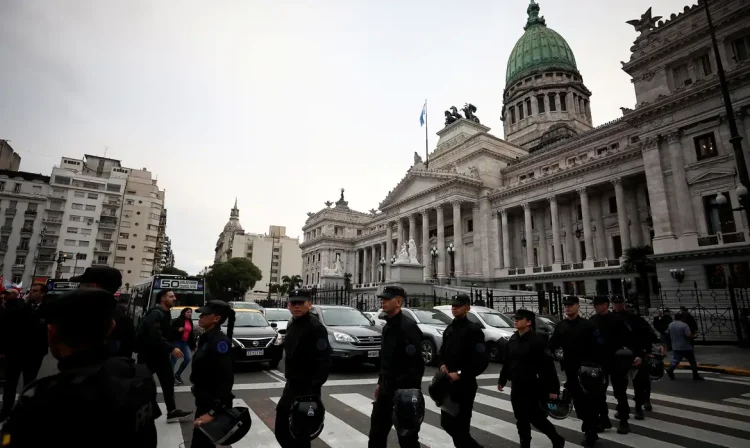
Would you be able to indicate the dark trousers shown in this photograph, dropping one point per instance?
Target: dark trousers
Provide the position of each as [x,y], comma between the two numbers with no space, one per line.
[162,368]
[281,428]
[200,440]
[677,356]
[459,426]
[619,382]
[642,386]
[585,404]
[381,422]
[528,411]
[15,366]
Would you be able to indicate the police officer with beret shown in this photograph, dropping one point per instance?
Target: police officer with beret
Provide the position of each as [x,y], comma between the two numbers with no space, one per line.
[96,400]
[401,367]
[581,343]
[306,366]
[212,375]
[529,365]
[464,356]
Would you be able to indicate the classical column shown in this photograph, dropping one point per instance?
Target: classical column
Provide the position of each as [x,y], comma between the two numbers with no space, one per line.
[400,234]
[557,249]
[601,235]
[476,240]
[388,248]
[506,238]
[681,189]
[656,190]
[426,245]
[458,239]
[374,265]
[622,216]
[385,268]
[631,202]
[529,235]
[540,225]
[442,256]
[357,259]
[496,242]
[412,228]
[588,237]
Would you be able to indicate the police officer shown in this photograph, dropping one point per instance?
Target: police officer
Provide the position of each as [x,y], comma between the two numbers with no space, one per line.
[464,358]
[640,342]
[212,375]
[96,400]
[306,365]
[401,367]
[616,335]
[529,365]
[581,343]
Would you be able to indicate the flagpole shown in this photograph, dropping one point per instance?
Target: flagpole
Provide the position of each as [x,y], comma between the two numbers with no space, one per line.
[426,140]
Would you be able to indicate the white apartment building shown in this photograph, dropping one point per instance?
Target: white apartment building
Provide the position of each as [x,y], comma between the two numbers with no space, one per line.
[22,199]
[139,228]
[164,254]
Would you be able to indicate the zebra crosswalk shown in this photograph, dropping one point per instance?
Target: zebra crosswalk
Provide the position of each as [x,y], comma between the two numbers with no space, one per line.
[674,422]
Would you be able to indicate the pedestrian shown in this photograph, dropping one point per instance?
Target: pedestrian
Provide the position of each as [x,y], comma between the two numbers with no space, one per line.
[112,397]
[154,343]
[661,322]
[401,367]
[212,375]
[616,336]
[464,356]
[184,339]
[307,363]
[23,342]
[682,346]
[529,365]
[122,339]
[691,323]
[581,343]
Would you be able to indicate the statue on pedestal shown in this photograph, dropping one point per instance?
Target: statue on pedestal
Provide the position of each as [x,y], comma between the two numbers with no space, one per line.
[336,271]
[407,254]
[413,252]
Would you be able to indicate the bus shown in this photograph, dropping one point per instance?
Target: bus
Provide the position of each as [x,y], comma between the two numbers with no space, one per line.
[59,286]
[190,291]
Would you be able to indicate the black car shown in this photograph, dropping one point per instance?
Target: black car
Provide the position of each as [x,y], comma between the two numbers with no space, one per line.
[255,339]
[352,335]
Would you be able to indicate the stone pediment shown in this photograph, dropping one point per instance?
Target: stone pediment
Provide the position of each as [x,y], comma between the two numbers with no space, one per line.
[710,175]
[417,182]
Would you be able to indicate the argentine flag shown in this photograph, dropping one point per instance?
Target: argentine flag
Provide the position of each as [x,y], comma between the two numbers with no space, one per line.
[423,114]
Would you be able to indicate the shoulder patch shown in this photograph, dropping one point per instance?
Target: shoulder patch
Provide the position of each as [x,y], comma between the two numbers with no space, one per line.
[480,348]
[411,350]
[222,347]
[322,344]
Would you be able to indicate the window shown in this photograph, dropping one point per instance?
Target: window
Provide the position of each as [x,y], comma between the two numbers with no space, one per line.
[28,224]
[2,186]
[32,207]
[612,204]
[129,202]
[16,279]
[107,236]
[715,276]
[75,218]
[705,146]
[17,188]
[536,257]
[122,247]
[64,180]
[617,245]
[579,212]
[37,189]
[681,76]
[540,103]
[741,48]
[705,63]
[85,231]
[80,256]
[119,259]
[69,243]
[147,261]
[520,111]
[90,208]
[582,245]
[552,105]
[563,105]
[113,187]
[77,206]
[79,194]
[719,218]
[512,115]
[20,260]
[24,243]
[92,196]
[72,230]
[83,243]
[602,287]
[155,216]
[528,107]
[13,205]
[740,272]
[145,274]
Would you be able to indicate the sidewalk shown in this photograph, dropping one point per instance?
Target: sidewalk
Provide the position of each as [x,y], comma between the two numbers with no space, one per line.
[727,359]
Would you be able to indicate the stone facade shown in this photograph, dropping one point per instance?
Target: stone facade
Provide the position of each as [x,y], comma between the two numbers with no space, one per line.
[559,203]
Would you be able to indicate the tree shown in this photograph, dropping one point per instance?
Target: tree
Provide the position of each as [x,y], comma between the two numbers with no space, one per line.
[239,274]
[637,261]
[173,271]
[290,283]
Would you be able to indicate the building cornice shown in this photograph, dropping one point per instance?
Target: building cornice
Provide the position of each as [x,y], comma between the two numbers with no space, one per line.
[718,251]
[451,178]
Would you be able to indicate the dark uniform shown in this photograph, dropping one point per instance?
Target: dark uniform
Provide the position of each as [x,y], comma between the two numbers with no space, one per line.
[154,346]
[529,365]
[212,375]
[581,343]
[640,342]
[401,367]
[306,366]
[463,352]
[96,400]
[616,335]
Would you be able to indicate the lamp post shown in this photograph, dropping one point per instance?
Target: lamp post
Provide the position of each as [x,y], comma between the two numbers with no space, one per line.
[42,234]
[382,269]
[62,257]
[434,255]
[393,259]
[451,249]
[677,274]
[734,136]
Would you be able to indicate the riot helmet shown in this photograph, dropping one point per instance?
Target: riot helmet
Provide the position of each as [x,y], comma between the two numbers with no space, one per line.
[560,407]
[228,426]
[439,388]
[306,418]
[591,379]
[624,359]
[408,411]
[655,365]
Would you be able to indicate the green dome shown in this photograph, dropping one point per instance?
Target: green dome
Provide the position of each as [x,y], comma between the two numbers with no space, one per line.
[539,48]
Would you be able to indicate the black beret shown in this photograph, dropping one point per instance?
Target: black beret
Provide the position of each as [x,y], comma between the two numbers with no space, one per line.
[79,305]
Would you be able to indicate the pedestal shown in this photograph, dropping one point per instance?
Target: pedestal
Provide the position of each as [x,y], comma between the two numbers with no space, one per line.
[410,277]
[332,281]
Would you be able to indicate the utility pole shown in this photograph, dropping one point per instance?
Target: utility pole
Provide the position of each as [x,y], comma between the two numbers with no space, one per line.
[61,258]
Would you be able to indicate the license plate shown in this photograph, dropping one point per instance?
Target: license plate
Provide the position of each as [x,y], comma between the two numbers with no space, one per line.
[255,353]
[373,354]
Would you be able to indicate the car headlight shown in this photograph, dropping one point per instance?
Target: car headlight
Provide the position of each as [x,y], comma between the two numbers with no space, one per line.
[342,337]
[279,340]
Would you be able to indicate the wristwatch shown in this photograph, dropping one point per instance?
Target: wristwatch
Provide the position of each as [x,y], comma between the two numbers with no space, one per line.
[459,373]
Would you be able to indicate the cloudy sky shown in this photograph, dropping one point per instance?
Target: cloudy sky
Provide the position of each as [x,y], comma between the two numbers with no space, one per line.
[276,102]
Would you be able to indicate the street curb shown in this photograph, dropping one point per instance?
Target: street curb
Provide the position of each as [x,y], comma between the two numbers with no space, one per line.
[715,369]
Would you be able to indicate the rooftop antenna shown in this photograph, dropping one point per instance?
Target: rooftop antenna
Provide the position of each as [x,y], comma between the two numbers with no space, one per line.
[105,151]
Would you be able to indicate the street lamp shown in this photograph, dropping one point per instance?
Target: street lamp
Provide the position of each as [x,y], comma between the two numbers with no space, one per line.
[434,255]
[579,231]
[393,259]
[734,136]
[677,274]
[451,249]
[382,269]
[523,238]
[741,197]
[62,257]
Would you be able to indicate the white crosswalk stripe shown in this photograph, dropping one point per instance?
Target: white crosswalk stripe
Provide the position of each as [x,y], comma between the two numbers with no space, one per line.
[673,423]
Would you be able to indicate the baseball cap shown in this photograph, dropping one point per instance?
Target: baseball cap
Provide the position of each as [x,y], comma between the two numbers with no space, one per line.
[391,292]
[299,295]
[460,300]
[104,277]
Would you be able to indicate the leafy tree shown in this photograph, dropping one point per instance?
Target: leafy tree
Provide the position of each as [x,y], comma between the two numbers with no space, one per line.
[239,274]
[173,271]
[637,261]
[290,283]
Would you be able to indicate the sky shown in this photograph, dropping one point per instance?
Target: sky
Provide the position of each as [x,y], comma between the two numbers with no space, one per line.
[279,103]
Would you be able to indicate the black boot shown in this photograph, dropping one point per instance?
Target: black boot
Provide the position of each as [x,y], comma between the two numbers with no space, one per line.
[590,439]
[624,427]
[647,406]
[639,413]
[558,442]
[525,444]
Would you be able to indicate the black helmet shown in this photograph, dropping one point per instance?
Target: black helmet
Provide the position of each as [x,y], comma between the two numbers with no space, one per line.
[408,411]
[559,408]
[439,388]
[624,359]
[306,417]
[591,378]
[655,365]
[228,426]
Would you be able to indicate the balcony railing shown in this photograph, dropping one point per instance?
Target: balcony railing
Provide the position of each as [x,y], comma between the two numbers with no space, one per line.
[107,225]
[100,263]
[3,247]
[50,220]
[31,212]
[22,248]
[19,267]
[6,229]
[27,230]
[11,211]
[721,239]
[104,250]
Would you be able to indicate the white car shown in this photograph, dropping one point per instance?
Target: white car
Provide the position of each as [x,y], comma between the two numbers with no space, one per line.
[432,323]
[279,316]
[497,328]
[374,316]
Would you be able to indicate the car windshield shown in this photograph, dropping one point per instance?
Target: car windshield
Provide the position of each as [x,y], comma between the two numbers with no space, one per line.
[341,317]
[496,320]
[245,306]
[431,317]
[546,320]
[250,320]
[277,315]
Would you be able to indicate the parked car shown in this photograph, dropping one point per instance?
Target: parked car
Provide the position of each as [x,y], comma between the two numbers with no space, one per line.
[280,317]
[255,339]
[497,328]
[240,305]
[352,335]
[544,325]
[375,317]
[432,323]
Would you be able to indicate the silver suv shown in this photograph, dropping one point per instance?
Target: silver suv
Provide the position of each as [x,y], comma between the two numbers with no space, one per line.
[497,328]
[432,323]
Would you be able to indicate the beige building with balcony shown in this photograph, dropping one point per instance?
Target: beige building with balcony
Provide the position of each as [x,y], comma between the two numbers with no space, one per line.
[558,201]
